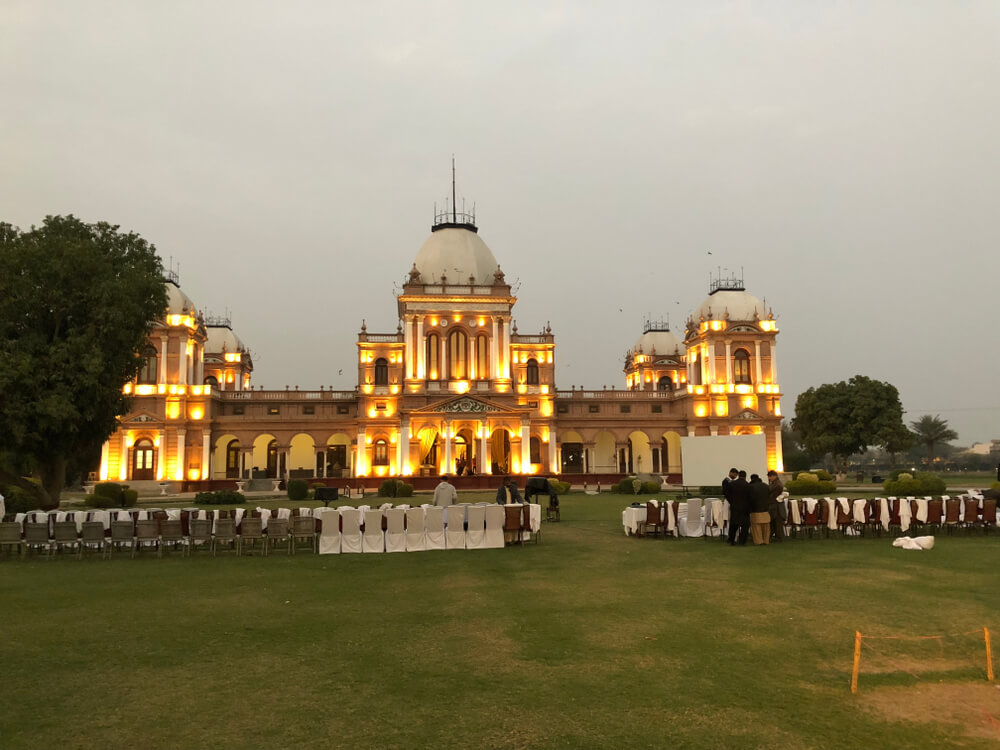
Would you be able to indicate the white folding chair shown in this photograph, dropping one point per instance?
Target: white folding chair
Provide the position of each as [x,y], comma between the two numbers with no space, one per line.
[395,532]
[329,534]
[434,528]
[415,537]
[454,533]
[494,526]
[476,521]
[350,534]
[374,537]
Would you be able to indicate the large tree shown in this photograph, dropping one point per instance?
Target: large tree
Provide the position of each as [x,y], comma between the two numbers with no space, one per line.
[77,302]
[847,417]
[931,431]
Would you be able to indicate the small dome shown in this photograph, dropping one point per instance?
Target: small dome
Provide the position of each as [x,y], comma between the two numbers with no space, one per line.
[663,342]
[457,253]
[739,304]
[177,301]
[222,336]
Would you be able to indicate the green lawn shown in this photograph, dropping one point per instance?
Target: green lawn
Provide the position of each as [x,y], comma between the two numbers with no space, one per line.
[586,640]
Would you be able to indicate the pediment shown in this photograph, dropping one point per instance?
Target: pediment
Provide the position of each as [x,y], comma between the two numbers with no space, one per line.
[743,329]
[747,414]
[141,419]
[667,361]
[465,405]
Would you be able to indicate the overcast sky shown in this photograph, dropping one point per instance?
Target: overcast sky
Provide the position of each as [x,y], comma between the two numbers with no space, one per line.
[845,156]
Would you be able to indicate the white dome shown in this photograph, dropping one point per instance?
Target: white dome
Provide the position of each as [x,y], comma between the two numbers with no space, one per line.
[221,336]
[739,305]
[458,254]
[663,342]
[177,301]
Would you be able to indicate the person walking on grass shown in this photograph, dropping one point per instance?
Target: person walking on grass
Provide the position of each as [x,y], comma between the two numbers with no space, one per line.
[776,508]
[760,518]
[445,493]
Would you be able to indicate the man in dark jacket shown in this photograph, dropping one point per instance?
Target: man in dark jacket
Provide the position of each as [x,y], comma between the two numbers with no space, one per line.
[760,519]
[739,509]
[775,508]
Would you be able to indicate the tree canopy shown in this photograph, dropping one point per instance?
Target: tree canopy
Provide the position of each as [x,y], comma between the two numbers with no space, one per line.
[847,417]
[77,302]
[931,431]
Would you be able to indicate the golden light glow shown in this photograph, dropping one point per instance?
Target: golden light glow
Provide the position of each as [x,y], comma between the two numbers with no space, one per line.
[156,441]
[744,388]
[721,408]
[129,439]
[545,434]
[462,386]
[522,388]
[550,358]
[546,408]
[372,413]
[545,388]
[233,356]
[367,388]
[194,474]
[407,470]
[394,389]
[700,410]
[481,321]
[434,321]
[717,325]
[173,409]
[457,318]
[368,440]
[179,474]
[229,377]
[380,471]
[127,388]
[767,388]
[196,412]
[180,320]
[777,408]
[749,402]
[145,390]
[768,325]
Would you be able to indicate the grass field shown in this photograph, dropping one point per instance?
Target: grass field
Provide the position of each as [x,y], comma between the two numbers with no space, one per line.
[586,640]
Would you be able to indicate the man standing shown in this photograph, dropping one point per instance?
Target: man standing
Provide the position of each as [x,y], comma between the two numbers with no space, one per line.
[777,510]
[760,518]
[727,493]
[739,509]
[445,493]
[507,492]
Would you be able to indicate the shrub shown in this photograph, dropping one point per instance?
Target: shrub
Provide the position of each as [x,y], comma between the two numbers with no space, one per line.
[923,483]
[298,489]
[222,497]
[560,488]
[313,487]
[99,501]
[995,486]
[809,484]
[403,489]
[20,501]
[112,490]
[129,497]
[650,488]
[823,475]
[394,488]
[714,490]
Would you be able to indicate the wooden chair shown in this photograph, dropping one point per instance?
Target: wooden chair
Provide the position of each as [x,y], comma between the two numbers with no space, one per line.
[811,521]
[971,517]
[251,532]
[935,513]
[199,535]
[793,528]
[10,536]
[895,523]
[653,520]
[64,534]
[277,531]
[147,536]
[952,512]
[36,537]
[122,536]
[225,533]
[172,533]
[92,537]
[303,530]
[845,519]
[989,514]
[512,524]
[552,511]
[526,524]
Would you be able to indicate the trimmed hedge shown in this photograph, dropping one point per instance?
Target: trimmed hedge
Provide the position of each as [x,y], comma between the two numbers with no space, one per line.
[808,483]
[922,483]
[634,486]
[298,489]
[395,488]
[111,490]
[560,488]
[222,497]
[20,501]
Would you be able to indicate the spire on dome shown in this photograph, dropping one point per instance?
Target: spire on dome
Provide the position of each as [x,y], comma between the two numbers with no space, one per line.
[452,218]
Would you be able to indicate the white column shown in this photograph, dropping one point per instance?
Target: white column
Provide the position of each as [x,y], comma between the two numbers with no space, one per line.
[123,458]
[285,453]
[729,361]
[756,356]
[525,446]
[495,351]
[105,454]
[484,453]
[160,455]
[443,373]
[710,347]
[421,349]
[321,460]
[407,347]
[179,472]
[199,365]
[774,361]
[553,454]
[182,361]
[360,465]
[504,348]
[162,377]
[447,468]
[206,447]
[403,443]
[779,459]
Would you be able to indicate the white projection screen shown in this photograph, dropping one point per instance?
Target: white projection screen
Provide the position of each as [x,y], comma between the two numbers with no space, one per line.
[706,460]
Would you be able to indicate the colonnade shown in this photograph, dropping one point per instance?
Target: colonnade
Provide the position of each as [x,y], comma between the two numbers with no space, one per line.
[415,336]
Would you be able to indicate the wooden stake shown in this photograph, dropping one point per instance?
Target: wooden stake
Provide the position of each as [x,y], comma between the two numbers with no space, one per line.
[989,655]
[857,661]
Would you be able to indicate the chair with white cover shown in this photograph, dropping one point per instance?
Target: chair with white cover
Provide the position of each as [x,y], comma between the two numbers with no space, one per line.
[476,533]
[350,530]
[494,526]
[329,533]
[374,536]
[434,528]
[416,540]
[395,530]
[454,533]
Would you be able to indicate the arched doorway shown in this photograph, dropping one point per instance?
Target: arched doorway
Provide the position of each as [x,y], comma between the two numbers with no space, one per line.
[233,459]
[465,452]
[500,451]
[143,460]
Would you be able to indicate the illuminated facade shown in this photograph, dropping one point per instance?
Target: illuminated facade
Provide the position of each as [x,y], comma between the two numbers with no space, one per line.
[454,389]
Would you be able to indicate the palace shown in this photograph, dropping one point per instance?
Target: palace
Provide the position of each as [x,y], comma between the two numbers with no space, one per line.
[455,389]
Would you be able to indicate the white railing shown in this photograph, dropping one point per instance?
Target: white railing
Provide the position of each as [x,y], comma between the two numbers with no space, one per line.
[618,395]
[287,395]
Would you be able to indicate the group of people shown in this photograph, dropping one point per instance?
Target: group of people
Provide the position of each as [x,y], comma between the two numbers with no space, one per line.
[445,493]
[754,509]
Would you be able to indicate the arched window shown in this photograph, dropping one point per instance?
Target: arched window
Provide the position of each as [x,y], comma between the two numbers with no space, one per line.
[147,373]
[458,354]
[381,371]
[741,366]
[531,373]
[482,357]
[272,459]
[212,381]
[536,450]
[380,453]
[433,354]
[233,459]
[665,384]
